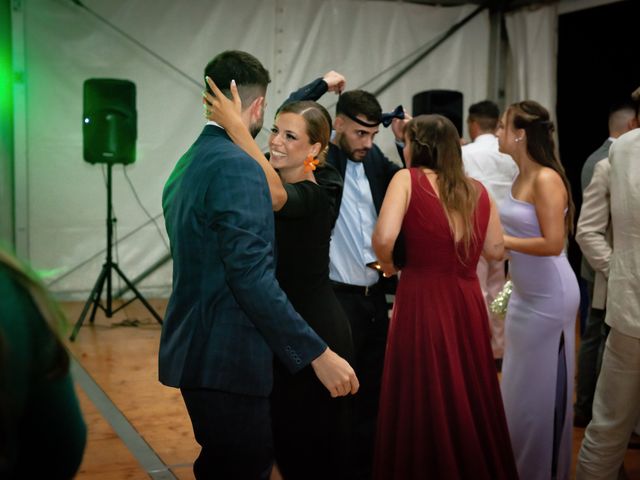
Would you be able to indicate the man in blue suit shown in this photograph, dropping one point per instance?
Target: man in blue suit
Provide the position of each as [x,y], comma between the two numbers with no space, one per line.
[227,315]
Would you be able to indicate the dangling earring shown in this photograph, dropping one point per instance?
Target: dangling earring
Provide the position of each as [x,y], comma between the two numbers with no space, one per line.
[310,164]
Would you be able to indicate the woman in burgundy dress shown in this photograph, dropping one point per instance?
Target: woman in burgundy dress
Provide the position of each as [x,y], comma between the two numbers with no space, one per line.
[441,413]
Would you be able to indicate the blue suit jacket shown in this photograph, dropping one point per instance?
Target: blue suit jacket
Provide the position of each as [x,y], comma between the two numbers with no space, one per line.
[227,314]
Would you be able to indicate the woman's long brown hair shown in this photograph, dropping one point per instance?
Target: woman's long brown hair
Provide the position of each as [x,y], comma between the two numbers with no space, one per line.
[435,144]
[534,119]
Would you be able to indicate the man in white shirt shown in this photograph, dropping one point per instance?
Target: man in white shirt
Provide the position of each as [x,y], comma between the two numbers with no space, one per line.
[496,171]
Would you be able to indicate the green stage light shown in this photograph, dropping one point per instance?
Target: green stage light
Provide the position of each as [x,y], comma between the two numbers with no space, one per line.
[6,81]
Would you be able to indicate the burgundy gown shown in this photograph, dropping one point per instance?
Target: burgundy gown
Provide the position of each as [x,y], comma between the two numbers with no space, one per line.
[441,413]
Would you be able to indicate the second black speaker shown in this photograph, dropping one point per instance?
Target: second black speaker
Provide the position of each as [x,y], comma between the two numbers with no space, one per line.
[109,129]
[447,103]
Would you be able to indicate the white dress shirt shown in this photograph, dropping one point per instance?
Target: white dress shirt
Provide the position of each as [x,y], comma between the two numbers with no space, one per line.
[484,162]
[350,249]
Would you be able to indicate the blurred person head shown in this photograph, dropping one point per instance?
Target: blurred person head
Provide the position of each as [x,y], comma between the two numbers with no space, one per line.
[483,118]
[622,118]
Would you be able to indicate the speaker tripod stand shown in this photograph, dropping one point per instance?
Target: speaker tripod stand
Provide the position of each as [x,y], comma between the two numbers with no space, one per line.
[105,276]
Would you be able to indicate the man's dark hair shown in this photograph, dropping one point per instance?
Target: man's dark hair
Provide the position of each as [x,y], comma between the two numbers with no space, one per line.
[619,116]
[635,99]
[486,114]
[250,76]
[359,102]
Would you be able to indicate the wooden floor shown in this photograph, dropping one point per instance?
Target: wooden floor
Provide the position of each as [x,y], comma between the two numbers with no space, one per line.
[120,356]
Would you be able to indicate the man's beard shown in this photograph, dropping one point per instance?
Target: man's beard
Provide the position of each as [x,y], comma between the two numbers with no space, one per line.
[255,128]
[351,153]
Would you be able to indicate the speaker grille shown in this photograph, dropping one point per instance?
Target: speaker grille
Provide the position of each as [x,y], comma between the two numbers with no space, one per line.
[447,103]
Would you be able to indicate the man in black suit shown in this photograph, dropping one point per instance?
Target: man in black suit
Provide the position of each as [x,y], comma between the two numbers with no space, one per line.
[227,315]
[358,284]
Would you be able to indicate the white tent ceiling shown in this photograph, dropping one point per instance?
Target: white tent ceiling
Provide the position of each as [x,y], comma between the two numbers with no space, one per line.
[60,200]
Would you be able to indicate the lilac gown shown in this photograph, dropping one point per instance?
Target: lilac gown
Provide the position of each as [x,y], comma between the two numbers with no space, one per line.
[538,367]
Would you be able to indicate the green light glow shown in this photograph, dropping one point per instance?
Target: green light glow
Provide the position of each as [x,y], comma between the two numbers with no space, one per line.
[6,74]
[5,80]
[50,273]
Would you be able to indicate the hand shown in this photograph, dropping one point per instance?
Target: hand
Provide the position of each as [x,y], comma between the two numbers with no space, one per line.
[219,108]
[335,81]
[508,243]
[398,124]
[388,269]
[335,373]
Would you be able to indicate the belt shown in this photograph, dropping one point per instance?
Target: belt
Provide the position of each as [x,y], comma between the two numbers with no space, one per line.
[355,289]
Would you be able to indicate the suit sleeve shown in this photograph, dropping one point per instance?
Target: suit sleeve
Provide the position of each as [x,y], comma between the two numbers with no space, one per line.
[391,167]
[401,154]
[330,180]
[594,220]
[311,91]
[243,220]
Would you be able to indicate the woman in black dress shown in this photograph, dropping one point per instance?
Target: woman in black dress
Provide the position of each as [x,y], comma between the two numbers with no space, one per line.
[311,430]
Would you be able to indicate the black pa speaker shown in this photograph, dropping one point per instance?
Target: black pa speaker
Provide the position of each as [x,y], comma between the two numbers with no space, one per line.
[109,130]
[447,103]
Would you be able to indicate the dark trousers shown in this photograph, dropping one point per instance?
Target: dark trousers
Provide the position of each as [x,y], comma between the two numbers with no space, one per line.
[234,432]
[589,359]
[311,430]
[369,319]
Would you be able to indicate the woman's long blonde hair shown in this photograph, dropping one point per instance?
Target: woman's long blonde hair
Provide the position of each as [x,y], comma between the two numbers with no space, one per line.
[435,144]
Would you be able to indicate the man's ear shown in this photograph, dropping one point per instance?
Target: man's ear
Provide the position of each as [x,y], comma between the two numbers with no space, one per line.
[256,106]
[338,124]
[472,128]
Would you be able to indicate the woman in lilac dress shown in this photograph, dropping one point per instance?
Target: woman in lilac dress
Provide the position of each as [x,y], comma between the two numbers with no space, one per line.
[538,368]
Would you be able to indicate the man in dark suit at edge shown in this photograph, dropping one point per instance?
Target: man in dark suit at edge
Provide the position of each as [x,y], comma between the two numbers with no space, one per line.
[227,315]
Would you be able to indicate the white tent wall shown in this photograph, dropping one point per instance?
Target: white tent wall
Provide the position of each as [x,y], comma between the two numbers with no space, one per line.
[533,54]
[297,40]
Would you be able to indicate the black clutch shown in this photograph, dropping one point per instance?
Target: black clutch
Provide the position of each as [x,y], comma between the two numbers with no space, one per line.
[399,252]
